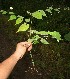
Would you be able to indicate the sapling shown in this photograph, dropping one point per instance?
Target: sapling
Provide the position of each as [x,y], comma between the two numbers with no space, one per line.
[34,35]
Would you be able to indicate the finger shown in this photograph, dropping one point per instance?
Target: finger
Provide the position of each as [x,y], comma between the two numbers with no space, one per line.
[30,48]
[23,43]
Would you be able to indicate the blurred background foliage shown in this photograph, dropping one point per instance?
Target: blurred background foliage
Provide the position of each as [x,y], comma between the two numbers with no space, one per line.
[53,59]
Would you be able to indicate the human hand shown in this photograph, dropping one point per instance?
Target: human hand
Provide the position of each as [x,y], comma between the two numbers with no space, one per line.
[22,47]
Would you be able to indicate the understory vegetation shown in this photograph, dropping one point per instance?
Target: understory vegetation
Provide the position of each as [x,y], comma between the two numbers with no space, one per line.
[47,26]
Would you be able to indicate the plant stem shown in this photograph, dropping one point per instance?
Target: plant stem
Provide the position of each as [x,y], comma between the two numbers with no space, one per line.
[31,53]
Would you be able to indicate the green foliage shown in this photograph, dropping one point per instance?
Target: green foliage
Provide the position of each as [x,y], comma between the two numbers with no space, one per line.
[27,20]
[23,27]
[44,41]
[55,35]
[34,39]
[38,14]
[30,40]
[4,12]
[20,16]
[35,42]
[12,17]
[67,36]
[1,10]
[11,13]
[49,10]
[19,20]
[57,10]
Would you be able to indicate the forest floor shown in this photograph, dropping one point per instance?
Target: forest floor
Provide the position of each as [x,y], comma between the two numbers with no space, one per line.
[50,59]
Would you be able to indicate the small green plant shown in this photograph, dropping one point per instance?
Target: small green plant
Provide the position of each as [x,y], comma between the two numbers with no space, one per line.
[26,24]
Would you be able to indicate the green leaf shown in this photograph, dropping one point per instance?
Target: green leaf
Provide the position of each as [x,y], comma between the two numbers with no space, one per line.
[11,12]
[28,13]
[37,15]
[23,27]
[67,36]
[36,37]
[42,33]
[19,20]
[20,16]
[27,20]
[30,40]
[12,17]
[42,12]
[35,42]
[48,10]
[4,12]
[1,10]
[34,31]
[44,41]
[57,10]
[51,8]
[55,35]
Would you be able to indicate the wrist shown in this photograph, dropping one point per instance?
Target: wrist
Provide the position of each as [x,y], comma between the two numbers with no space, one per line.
[17,56]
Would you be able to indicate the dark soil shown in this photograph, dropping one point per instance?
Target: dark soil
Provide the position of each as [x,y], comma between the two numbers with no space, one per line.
[52,61]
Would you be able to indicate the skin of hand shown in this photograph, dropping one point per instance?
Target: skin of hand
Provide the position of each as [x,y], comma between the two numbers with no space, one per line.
[22,47]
